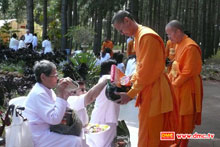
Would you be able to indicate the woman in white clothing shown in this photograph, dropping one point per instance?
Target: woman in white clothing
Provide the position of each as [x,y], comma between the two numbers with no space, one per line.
[104,112]
[13,42]
[22,43]
[105,55]
[46,45]
[44,108]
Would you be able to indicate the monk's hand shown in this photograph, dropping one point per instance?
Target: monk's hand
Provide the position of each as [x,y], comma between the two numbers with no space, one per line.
[124,98]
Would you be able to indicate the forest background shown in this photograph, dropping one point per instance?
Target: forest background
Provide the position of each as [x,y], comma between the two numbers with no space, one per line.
[60,19]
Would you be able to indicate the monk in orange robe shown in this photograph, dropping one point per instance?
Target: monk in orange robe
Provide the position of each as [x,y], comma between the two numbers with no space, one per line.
[186,79]
[169,54]
[130,48]
[108,44]
[155,97]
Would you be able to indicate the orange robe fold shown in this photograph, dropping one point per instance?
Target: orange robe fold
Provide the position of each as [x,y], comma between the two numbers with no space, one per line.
[170,53]
[156,101]
[187,83]
[130,48]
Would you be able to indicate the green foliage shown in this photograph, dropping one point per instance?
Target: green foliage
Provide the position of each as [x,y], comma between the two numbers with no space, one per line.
[54,33]
[81,35]
[92,71]
[4,6]
[214,59]
[10,67]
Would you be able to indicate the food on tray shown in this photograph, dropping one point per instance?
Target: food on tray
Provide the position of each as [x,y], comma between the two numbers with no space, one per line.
[96,128]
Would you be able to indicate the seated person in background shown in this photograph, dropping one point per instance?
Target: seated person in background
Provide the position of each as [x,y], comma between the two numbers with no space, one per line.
[22,43]
[108,44]
[105,55]
[82,113]
[130,65]
[14,42]
[44,108]
[120,63]
[98,59]
[130,47]
[104,112]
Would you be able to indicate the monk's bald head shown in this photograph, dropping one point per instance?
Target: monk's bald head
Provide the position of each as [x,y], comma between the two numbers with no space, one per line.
[175,24]
[120,15]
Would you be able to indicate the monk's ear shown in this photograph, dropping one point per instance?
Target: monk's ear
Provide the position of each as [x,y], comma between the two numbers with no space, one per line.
[126,20]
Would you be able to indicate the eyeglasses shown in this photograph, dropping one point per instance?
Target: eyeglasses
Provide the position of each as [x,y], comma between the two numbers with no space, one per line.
[56,75]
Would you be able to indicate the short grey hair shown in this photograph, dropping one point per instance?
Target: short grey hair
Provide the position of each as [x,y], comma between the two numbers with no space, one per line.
[175,24]
[120,15]
[43,66]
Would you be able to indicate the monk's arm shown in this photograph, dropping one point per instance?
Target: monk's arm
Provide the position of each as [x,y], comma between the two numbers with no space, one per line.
[191,65]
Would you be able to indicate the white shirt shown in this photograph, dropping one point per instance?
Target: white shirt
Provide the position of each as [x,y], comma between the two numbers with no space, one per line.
[34,43]
[105,111]
[42,109]
[106,57]
[121,66]
[28,38]
[77,103]
[13,44]
[21,44]
[131,67]
[46,44]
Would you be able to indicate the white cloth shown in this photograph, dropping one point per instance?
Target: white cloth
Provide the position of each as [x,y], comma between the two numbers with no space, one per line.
[97,62]
[121,66]
[105,112]
[21,44]
[28,38]
[128,40]
[34,43]
[106,57]
[13,44]
[77,103]
[130,67]
[46,44]
[42,109]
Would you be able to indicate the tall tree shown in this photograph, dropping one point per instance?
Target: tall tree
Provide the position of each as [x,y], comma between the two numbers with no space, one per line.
[63,24]
[45,18]
[30,15]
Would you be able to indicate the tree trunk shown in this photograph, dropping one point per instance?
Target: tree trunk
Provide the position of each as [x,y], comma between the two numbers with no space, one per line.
[98,34]
[30,15]
[203,35]
[63,24]
[69,21]
[217,28]
[75,13]
[109,25]
[134,9]
[45,20]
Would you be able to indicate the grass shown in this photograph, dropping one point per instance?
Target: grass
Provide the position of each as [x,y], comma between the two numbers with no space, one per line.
[214,59]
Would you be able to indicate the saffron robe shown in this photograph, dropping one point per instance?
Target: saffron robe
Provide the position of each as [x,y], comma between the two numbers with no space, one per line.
[156,102]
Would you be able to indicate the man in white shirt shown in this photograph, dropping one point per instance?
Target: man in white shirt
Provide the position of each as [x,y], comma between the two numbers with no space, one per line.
[28,39]
[34,42]
[46,45]
[14,42]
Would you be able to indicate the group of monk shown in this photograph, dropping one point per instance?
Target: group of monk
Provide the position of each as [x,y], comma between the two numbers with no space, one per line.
[168,100]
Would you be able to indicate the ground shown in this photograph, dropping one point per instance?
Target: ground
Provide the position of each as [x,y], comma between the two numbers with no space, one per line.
[210,117]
